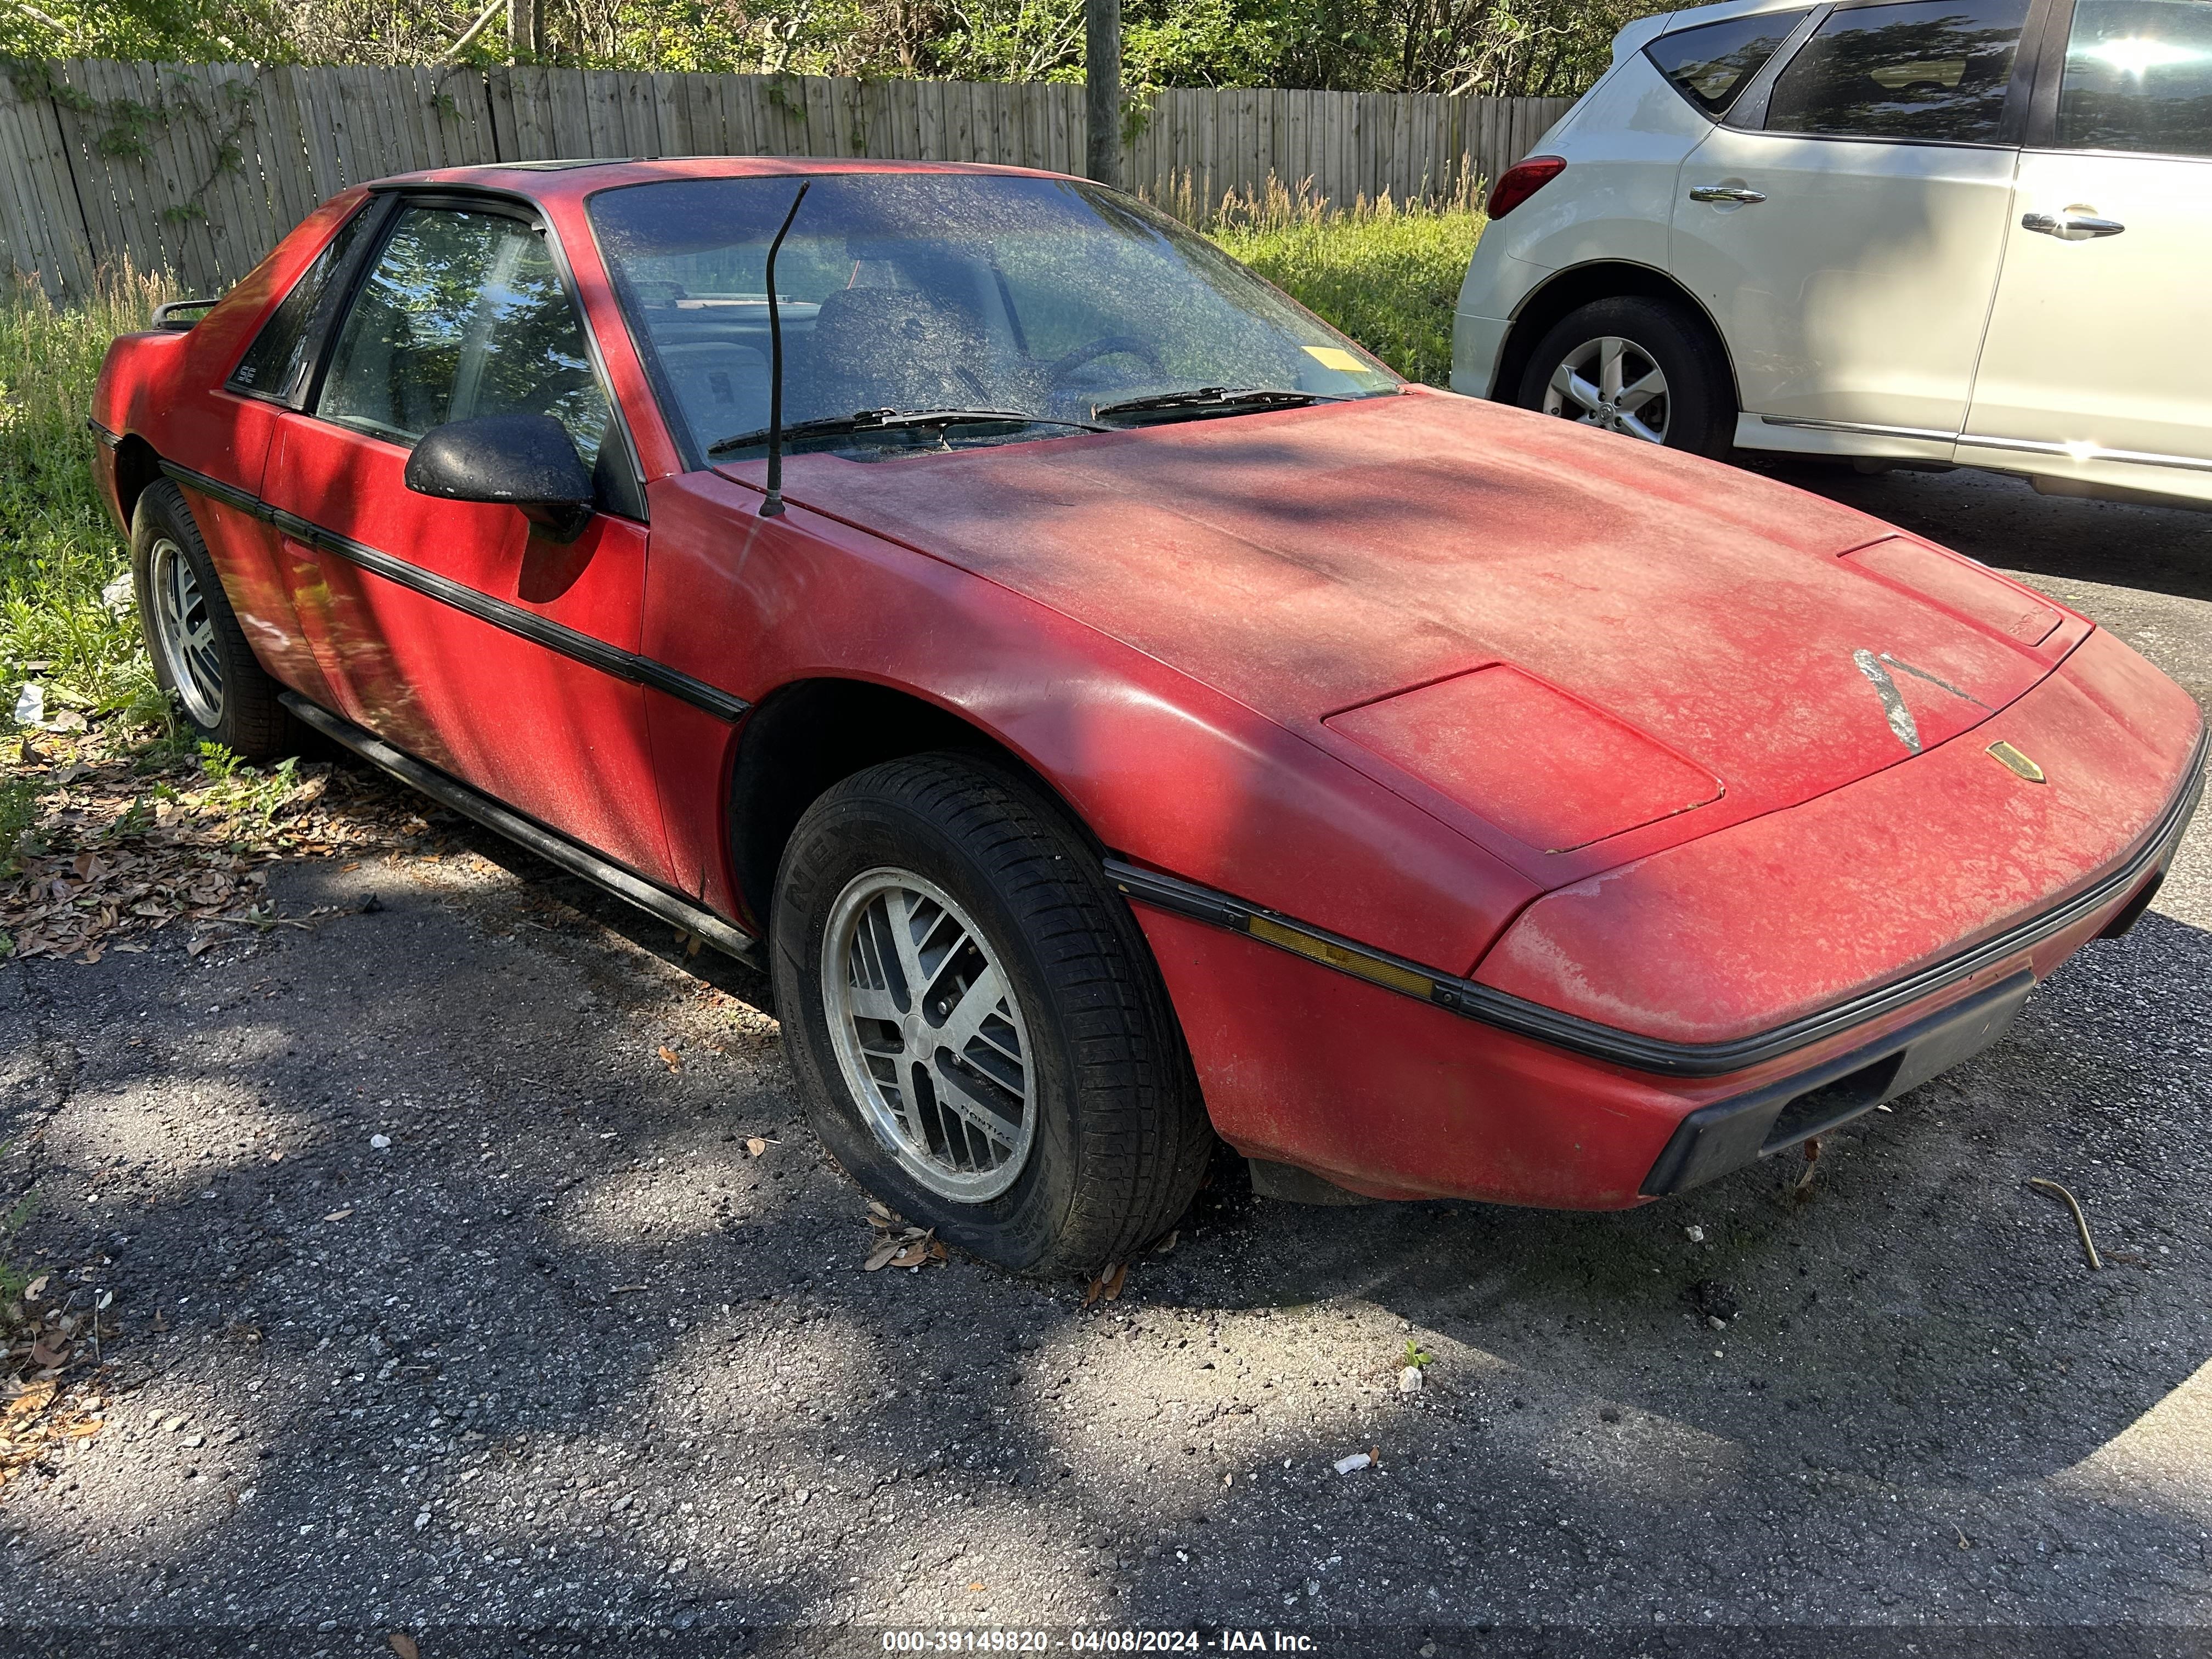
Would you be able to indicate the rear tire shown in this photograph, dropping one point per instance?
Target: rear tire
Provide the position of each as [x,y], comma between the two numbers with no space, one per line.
[1646,369]
[200,654]
[1033,1102]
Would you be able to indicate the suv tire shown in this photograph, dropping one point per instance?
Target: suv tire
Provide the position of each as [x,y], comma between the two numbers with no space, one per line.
[1616,345]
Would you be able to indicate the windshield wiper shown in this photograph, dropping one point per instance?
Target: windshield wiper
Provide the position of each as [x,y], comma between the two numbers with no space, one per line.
[1221,397]
[880,420]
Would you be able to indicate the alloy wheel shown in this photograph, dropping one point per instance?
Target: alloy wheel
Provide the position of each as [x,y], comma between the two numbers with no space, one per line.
[186,630]
[929,1035]
[1612,383]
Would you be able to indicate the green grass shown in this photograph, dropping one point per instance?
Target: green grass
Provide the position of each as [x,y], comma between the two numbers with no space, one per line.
[1384,273]
[57,546]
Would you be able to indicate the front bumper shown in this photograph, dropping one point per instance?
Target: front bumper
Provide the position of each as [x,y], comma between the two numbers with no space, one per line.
[1396,1081]
[1730,1133]
[1879,892]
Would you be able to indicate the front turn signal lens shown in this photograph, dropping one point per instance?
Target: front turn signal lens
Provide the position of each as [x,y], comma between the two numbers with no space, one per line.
[1357,963]
[1521,181]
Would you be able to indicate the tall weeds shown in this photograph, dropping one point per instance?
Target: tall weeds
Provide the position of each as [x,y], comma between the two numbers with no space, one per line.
[1278,205]
[57,547]
[1386,272]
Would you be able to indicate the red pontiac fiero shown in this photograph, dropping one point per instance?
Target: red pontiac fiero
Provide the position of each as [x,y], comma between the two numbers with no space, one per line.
[1117,710]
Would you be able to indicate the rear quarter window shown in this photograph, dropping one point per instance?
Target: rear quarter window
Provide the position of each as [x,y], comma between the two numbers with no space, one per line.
[1712,64]
[275,365]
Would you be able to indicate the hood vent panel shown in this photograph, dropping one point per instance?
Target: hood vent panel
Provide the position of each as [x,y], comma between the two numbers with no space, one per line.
[1548,768]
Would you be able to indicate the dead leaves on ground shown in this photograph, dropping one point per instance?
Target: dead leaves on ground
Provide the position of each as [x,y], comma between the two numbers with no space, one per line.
[122,846]
[42,1408]
[62,907]
[898,1245]
[914,1248]
[41,1420]
[1107,1285]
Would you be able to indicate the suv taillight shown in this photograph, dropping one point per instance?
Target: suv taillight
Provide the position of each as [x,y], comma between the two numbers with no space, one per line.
[1519,182]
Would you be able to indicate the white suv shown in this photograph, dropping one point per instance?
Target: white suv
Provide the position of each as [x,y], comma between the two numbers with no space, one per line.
[1966,232]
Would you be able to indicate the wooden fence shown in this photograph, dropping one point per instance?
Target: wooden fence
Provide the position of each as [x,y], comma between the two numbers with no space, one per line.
[200,168]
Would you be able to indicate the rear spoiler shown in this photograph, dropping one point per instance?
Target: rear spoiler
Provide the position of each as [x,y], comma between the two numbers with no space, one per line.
[171,315]
[1634,38]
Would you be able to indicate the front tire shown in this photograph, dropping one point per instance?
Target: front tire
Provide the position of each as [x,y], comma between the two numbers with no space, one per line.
[201,656]
[979,1034]
[1645,369]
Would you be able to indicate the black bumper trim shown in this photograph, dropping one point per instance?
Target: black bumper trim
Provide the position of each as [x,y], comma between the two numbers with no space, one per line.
[511,618]
[1730,1133]
[1630,1048]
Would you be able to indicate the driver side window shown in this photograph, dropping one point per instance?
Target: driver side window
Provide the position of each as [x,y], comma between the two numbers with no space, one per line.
[463,315]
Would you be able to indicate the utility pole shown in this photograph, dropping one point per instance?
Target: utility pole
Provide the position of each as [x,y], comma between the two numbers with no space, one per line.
[1101,74]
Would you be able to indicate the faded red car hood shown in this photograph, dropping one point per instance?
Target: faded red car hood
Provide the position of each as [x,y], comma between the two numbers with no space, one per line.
[1315,561]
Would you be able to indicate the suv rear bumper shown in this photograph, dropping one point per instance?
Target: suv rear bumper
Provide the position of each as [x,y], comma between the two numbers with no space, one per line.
[1477,344]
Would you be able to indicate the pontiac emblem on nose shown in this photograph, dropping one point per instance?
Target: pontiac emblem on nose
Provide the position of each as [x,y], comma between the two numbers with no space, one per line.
[2017,762]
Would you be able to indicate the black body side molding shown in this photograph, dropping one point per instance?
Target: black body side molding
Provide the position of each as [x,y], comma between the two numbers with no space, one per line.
[2132,876]
[513,618]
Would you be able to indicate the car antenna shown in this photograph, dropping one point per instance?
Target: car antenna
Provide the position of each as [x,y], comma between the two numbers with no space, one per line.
[773,506]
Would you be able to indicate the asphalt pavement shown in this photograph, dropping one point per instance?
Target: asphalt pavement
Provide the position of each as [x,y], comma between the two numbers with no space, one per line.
[477,1282]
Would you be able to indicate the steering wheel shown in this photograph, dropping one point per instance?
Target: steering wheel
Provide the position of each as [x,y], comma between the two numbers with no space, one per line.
[1106,345]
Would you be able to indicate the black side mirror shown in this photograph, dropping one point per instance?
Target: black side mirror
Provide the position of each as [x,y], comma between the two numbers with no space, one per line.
[528,461]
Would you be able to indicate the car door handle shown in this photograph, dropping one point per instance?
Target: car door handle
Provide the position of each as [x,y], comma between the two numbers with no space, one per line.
[1726,193]
[2071,226]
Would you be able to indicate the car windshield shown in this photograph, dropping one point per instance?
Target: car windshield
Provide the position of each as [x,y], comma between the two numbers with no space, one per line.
[1043,303]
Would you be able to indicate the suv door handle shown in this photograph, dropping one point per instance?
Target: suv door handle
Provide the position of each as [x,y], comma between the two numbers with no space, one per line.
[1726,193]
[2071,226]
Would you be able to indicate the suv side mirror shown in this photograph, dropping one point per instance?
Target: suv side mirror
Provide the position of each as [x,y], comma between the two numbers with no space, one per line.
[528,461]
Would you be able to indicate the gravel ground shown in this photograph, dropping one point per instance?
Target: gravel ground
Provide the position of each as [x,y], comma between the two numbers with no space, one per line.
[565,1353]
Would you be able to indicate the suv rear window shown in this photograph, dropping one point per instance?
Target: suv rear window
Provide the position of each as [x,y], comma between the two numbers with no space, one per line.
[1712,64]
[1934,70]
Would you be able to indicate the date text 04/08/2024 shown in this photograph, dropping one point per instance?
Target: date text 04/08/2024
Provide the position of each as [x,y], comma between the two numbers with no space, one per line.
[1095,1641]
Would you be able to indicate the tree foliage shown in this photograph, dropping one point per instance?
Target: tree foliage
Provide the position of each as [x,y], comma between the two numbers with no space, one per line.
[1535,48]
